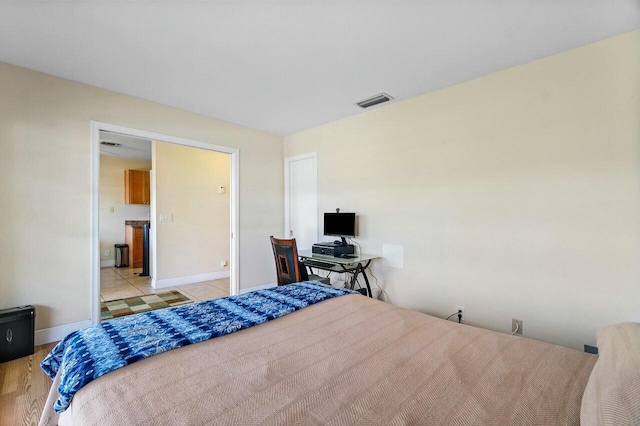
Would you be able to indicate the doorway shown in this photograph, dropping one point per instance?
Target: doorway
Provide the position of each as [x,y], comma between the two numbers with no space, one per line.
[230,187]
[301,199]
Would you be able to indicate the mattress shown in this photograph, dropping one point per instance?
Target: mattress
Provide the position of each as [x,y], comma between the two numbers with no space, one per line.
[349,360]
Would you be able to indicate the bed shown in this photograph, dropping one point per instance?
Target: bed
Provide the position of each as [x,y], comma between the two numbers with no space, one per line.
[351,360]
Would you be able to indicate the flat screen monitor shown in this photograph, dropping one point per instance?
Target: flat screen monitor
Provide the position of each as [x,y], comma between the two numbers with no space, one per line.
[340,224]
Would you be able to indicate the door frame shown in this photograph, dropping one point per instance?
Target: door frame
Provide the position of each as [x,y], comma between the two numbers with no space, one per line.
[287,192]
[234,249]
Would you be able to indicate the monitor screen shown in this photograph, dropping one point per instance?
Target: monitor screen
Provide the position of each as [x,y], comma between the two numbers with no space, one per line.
[340,224]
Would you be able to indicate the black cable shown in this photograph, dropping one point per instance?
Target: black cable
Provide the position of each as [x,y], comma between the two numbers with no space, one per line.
[358,244]
[459,313]
[386,295]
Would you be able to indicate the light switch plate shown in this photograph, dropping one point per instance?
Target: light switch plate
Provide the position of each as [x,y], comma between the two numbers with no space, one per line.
[166,217]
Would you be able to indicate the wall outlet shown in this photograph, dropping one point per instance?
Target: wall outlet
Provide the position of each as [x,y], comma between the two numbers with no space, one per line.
[111,209]
[107,252]
[516,324]
[223,263]
[460,308]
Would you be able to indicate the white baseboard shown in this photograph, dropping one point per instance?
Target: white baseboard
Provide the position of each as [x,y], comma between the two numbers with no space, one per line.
[107,263]
[258,287]
[190,279]
[54,334]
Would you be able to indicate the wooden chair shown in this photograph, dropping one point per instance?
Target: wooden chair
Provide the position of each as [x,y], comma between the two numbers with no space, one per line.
[289,269]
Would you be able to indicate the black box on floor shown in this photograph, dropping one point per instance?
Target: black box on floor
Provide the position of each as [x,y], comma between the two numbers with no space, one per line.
[17,332]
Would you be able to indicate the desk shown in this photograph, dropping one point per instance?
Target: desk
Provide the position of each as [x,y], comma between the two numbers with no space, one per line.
[355,266]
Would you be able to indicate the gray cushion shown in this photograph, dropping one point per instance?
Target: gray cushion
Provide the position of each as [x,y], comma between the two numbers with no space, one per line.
[323,280]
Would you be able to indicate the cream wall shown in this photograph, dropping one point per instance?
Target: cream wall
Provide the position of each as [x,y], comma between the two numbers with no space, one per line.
[45,187]
[187,182]
[516,195]
[112,195]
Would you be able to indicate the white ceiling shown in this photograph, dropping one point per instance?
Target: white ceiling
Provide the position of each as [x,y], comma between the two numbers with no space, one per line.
[287,66]
[130,146]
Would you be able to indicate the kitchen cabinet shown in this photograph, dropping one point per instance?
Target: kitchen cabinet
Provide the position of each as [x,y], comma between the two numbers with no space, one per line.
[136,187]
[133,237]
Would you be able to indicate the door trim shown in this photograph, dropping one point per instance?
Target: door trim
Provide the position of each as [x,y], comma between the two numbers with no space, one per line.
[234,239]
[287,195]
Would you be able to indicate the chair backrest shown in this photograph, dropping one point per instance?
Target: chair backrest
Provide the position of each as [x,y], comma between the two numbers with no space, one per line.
[288,268]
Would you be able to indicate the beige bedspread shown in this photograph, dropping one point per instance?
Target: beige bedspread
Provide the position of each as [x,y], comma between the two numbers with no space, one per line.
[349,360]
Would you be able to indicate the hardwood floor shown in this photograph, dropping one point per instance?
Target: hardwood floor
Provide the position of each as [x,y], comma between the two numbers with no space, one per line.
[24,388]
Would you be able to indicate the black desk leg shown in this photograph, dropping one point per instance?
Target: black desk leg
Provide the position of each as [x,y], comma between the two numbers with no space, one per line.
[360,270]
[353,278]
[366,280]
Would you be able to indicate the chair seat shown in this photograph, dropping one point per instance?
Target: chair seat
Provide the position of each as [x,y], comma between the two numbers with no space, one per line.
[323,280]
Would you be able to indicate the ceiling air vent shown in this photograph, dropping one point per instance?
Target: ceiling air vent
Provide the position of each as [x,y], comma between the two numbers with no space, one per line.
[105,143]
[374,100]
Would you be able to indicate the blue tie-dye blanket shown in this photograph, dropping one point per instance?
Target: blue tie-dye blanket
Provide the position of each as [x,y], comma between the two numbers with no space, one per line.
[91,352]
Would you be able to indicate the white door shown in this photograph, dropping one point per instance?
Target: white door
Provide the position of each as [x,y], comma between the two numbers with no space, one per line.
[301,200]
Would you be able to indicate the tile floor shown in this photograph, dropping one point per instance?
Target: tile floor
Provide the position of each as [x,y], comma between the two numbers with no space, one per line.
[118,283]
